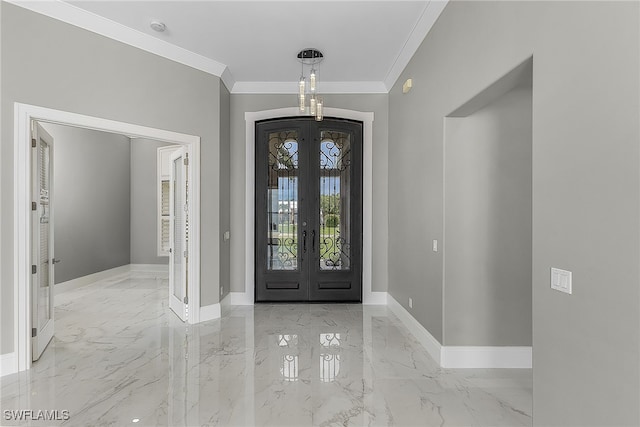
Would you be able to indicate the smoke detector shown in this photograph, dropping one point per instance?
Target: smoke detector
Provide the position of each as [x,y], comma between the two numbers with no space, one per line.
[158,26]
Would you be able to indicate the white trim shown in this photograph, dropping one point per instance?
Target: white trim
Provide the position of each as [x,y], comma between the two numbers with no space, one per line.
[91,278]
[210,312]
[462,357]
[428,18]
[480,357]
[82,18]
[23,114]
[241,298]
[227,79]
[292,87]
[424,337]
[367,194]
[376,298]
[149,268]
[225,305]
[8,364]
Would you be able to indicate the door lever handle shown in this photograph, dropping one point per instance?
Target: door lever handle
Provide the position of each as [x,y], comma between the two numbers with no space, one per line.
[313,241]
[304,241]
[55,261]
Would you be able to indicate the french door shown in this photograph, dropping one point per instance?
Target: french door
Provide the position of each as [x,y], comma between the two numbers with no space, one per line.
[178,234]
[308,210]
[43,261]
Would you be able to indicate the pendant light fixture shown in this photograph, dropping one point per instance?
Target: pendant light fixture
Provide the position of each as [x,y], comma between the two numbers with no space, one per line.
[310,58]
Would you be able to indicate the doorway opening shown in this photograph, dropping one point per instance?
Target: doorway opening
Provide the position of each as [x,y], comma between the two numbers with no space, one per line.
[106,186]
[308,202]
[488,160]
[28,115]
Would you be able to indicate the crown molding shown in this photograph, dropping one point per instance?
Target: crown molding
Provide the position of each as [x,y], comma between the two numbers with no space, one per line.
[323,87]
[79,17]
[82,18]
[428,18]
[227,79]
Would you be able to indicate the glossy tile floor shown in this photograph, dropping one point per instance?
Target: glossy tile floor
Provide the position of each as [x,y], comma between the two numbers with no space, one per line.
[120,357]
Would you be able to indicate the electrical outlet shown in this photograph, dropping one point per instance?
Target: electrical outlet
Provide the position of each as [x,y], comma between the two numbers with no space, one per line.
[410,303]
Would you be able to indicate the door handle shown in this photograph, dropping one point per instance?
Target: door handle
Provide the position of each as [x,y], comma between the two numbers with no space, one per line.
[313,241]
[304,241]
[55,261]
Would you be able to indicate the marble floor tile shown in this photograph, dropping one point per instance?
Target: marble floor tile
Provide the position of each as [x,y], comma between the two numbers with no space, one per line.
[121,357]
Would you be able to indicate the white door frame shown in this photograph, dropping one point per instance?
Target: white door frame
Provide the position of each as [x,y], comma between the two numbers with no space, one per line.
[368,296]
[23,114]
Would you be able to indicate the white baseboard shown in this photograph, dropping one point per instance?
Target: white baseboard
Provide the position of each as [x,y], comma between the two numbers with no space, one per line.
[149,268]
[486,357]
[375,298]
[8,364]
[225,304]
[241,298]
[463,357]
[210,312]
[424,337]
[91,278]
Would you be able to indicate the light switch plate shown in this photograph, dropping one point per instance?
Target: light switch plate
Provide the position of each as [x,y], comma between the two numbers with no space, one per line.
[561,280]
[434,246]
[226,236]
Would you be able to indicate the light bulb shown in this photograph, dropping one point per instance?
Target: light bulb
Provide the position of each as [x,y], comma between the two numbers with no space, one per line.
[312,106]
[319,109]
[301,86]
[312,80]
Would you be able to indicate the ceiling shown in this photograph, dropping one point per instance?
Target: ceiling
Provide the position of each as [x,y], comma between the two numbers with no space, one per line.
[252,45]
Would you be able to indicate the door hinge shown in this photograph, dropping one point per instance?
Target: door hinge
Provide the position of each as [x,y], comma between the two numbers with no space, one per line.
[33,143]
[34,206]
[170,250]
[186,300]
[186,161]
[34,332]
[186,254]
[34,269]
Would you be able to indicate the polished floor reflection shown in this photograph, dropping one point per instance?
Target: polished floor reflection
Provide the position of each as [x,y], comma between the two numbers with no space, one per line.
[120,357]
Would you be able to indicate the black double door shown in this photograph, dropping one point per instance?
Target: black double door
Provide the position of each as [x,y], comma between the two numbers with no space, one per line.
[308,210]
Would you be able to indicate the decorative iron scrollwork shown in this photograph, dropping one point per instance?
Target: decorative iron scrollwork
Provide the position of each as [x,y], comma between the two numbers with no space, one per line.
[282,200]
[335,176]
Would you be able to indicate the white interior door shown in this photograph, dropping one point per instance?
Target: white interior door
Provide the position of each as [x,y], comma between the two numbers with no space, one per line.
[178,234]
[42,258]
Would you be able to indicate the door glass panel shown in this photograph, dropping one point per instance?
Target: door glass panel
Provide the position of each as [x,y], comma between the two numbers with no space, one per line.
[177,228]
[44,312]
[335,208]
[282,201]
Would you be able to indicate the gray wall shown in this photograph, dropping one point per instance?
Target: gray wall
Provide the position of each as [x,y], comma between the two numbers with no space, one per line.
[378,104]
[586,187]
[92,193]
[52,64]
[225,189]
[488,224]
[144,202]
